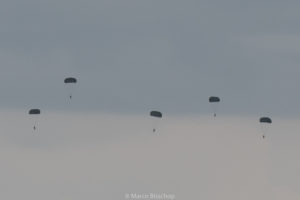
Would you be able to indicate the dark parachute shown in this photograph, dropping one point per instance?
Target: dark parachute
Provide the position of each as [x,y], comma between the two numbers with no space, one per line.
[214,100]
[156,114]
[265,122]
[70,81]
[34,112]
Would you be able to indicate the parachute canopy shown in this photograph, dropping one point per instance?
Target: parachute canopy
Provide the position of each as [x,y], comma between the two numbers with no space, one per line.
[34,112]
[70,80]
[265,120]
[156,114]
[214,99]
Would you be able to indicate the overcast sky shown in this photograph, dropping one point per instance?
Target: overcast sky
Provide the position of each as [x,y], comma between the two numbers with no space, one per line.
[92,156]
[133,56]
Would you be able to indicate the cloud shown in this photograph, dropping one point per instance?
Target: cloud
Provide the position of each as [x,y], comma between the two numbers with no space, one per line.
[268,43]
[75,156]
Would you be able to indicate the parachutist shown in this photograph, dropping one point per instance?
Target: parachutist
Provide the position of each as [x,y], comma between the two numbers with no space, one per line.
[214,101]
[34,112]
[156,115]
[265,121]
[70,81]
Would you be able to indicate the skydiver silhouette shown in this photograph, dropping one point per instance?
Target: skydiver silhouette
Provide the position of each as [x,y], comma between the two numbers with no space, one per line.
[154,130]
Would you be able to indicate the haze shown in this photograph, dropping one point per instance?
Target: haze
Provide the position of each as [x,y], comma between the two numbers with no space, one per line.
[134,56]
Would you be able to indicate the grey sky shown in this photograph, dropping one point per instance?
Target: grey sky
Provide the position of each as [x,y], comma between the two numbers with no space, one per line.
[131,56]
[96,156]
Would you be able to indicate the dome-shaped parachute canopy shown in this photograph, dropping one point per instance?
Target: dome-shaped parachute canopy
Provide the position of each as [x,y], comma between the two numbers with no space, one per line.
[156,114]
[34,112]
[213,99]
[70,80]
[265,120]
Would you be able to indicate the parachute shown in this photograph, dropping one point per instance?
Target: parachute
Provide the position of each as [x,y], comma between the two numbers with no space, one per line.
[70,82]
[265,120]
[34,113]
[214,101]
[157,116]
[265,123]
